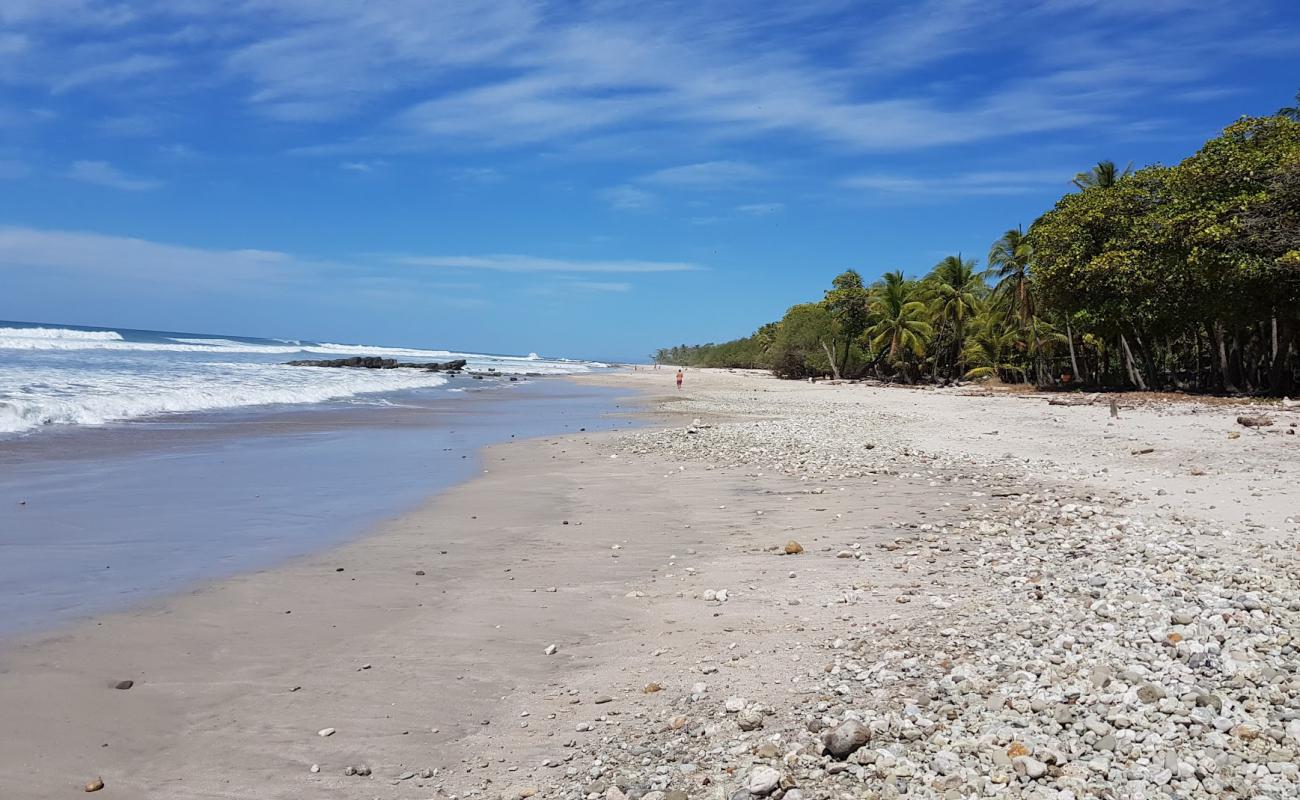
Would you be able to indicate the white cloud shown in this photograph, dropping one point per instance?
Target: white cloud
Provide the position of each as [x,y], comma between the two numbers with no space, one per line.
[124,257]
[129,67]
[103,173]
[705,175]
[524,263]
[514,72]
[364,167]
[480,175]
[989,182]
[761,209]
[600,286]
[628,198]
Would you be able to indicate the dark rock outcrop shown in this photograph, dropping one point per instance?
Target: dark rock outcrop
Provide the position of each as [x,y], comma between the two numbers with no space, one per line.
[375,362]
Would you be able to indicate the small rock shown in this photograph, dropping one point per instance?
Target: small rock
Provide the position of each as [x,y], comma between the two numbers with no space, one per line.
[323,732]
[763,781]
[95,785]
[842,740]
[793,548]
[124,685]
[551,650]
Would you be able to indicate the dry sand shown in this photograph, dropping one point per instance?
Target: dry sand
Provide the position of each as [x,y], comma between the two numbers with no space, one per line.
[443,674]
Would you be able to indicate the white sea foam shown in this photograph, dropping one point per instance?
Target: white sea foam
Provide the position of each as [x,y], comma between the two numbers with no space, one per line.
[72,339]
[101,396]
[69,376]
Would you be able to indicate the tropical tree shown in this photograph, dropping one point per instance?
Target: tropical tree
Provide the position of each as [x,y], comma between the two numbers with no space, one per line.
[800,348]
[990,349]
[1105,175]
[899,328]
[1009,260]
[955,289]
[1292,113]
[850,303]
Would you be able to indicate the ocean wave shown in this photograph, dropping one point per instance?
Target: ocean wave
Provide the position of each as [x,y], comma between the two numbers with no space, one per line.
[107,396]
[37,335]
[36,339]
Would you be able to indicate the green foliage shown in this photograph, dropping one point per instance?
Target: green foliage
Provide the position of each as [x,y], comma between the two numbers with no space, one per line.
[1104,175]
[1184,276]
[802,337]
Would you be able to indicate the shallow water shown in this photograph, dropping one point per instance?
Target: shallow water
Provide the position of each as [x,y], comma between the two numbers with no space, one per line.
[98,519]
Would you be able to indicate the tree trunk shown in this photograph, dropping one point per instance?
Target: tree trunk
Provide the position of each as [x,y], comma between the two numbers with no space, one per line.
[844,359]
[1280,379]
[1225,372]
[830,356]
[1134,374]
[1148,361]
[1074,362]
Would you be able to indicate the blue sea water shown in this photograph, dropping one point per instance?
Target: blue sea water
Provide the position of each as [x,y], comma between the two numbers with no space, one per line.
[70,375]
[139,463]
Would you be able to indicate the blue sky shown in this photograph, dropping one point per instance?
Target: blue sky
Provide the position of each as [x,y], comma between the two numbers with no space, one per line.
[591,179]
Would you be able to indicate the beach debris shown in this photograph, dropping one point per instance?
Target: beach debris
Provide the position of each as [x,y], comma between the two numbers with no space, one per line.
[1254,422]
[315,768]
[652,687]
[325,732]
[124,685]
[94,785]
[1141,451]
[551,650]
[793,548]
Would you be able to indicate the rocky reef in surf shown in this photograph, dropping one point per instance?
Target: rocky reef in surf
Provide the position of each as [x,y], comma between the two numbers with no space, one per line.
[375,362]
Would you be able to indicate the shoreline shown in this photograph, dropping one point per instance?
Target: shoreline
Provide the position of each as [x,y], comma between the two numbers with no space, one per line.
[919,551]
[99,518]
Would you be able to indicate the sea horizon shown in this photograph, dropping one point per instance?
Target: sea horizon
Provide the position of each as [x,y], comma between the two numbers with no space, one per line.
[67,374]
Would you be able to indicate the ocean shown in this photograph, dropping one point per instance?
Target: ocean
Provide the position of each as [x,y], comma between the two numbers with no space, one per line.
[134,464]
[72,375]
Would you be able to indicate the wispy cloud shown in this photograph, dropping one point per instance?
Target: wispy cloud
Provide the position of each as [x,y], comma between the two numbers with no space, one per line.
[992,182]
[761,209]
[95,254]
[116,71]
[506,73]
[479,175]
[364,167]
[103,173]
[525,263]
[705,175]
[628,198]
[600,286]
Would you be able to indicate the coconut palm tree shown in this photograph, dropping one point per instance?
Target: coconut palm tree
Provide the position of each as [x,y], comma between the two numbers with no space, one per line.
[1009,259]
[1105,175]
[990,349]
[955,289]
[899,328]
[1292,113]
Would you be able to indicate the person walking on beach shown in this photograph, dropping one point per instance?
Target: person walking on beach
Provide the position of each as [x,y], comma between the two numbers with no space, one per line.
[679,379]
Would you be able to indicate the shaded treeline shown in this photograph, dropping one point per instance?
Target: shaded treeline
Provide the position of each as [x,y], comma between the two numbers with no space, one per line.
[1183,277]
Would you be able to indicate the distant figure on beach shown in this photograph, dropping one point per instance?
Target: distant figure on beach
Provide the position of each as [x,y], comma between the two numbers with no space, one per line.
[679,379]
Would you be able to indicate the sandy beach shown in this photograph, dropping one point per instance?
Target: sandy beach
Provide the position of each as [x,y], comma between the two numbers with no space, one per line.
[990,596]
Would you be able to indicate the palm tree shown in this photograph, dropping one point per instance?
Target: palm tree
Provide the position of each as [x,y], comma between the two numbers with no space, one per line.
[899,326]
[1009,260]
[1105,175]
[1292,113]
[991,347]
[955,292]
